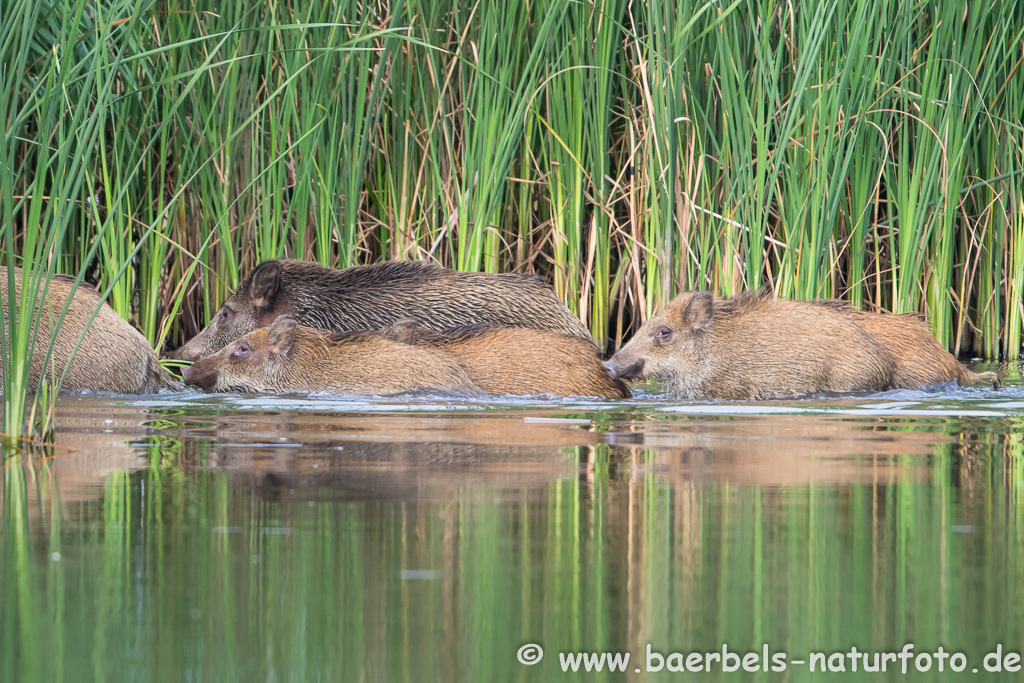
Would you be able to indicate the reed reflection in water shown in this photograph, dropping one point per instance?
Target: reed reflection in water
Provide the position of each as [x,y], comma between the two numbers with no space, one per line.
[208,543]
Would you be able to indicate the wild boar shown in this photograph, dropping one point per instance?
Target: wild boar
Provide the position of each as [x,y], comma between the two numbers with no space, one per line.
[288,357]
[375,296]
[113,355]
[518,360]
[752,346]
[920,359]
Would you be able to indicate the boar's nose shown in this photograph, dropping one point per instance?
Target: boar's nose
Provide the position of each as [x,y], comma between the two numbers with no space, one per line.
[202,375]
[610,369]
[182,353]
[194,376]
[616,370]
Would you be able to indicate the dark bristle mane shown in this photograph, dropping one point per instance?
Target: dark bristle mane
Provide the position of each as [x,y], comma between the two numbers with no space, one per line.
[740,303]
[385,272]
[835,304]
[388,271]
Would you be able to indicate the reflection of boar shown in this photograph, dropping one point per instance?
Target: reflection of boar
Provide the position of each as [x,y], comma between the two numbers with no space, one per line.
[373,297]
[517,360]
[288,357]
[920,359]
[781,449]
[753,346]
[113,356]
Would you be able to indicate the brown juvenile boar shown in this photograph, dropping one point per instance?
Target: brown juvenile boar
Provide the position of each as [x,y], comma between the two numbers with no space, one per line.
[113,355]
[518,360]
[288,357]
[920,359]
[753,347]
[375,296]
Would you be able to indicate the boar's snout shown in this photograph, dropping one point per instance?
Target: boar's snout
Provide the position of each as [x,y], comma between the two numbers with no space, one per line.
[198,376]
[616,369]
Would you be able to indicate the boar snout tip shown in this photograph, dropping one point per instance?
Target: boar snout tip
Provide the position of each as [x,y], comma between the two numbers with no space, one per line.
[615,369]
[181,353]
[610,369]
[203,381]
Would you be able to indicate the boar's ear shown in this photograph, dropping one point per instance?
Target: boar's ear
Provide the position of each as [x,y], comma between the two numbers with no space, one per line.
[281,335]
[698,313]
[266,280]
[402,331]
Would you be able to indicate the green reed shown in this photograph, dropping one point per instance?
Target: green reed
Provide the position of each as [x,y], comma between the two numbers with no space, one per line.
[56,103]
[865,150]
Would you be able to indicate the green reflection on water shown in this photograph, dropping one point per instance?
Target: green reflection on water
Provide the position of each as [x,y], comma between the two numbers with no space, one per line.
[366,559]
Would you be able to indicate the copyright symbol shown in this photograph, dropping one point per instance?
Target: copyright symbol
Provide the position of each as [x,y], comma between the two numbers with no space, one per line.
[531,653]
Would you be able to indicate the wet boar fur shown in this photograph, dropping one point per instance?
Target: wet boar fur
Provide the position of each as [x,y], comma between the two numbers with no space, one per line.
[375,296]
[287,357]
[753,347]
[517,360]
[113,356]
[920,359]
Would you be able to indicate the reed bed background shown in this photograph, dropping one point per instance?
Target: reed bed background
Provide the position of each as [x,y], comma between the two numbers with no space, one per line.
[626,151]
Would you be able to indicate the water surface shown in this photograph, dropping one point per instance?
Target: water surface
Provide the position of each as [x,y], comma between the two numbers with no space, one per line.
[309,538]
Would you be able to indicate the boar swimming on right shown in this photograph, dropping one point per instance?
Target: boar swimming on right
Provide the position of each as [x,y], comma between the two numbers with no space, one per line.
[752,346]
[375,296]
[288,357]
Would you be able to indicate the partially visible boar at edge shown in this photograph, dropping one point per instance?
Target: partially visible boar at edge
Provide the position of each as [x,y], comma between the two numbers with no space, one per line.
[113,355]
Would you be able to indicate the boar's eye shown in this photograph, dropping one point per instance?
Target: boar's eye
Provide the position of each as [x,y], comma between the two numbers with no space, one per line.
[224,315]
[663,333]
[242,350]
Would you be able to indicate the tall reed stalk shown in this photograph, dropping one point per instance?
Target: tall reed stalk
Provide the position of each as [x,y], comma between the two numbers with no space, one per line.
[852,148]
[56,104]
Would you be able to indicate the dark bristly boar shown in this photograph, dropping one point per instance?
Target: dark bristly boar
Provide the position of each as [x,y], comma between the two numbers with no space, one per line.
[113,355]
[288,357]
[753,347]
[375,296]
[920,359]
[517,360]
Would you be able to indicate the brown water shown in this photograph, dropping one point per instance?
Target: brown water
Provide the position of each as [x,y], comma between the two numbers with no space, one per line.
[214,538]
